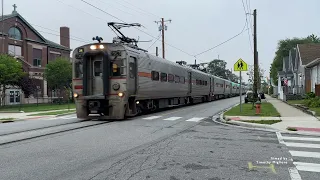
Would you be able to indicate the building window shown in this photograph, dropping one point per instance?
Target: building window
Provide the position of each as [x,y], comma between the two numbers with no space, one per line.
[37,56]
[14,33]
[14,50]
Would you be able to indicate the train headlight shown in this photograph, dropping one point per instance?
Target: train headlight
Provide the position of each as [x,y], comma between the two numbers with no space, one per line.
[93,47]
[116,86]
[101,46]
[75,95]
[120,94]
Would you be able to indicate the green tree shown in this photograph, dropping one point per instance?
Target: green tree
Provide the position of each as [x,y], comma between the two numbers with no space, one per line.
[10,73]
[58,74]
[284,46]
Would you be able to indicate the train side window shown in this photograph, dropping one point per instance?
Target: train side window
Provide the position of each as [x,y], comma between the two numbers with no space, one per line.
[131,70]
[170,78]
[155,75]
[205,83]
[176,79]
[164,77]
[182,80]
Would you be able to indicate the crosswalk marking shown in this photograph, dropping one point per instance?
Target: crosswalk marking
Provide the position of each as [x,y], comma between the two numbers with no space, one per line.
[195,119]
[312,167]
[305,145]
[172,118]
[151,117]
[300,138]
[305,154]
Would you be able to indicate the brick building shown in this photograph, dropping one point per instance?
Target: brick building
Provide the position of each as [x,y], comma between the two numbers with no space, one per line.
[20,39]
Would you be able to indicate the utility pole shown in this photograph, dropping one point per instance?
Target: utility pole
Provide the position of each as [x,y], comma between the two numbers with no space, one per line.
[156,51]
[2,29]
[163,28]
[256,64]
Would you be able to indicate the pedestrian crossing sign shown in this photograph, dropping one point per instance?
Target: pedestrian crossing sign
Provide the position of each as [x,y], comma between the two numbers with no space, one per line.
[240,65]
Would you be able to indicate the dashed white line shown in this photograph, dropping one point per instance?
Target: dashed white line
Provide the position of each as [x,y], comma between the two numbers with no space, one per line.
[305,145]
[172,118]
[294,174]
[195,119]
[151,117]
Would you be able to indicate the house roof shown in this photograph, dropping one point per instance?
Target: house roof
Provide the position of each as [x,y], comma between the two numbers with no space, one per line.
[47,42]
[286,63]
[292,56]
[308,52]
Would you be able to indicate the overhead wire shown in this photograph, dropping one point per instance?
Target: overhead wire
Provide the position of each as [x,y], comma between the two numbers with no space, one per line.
[245,13]
[154,41]
[134,27]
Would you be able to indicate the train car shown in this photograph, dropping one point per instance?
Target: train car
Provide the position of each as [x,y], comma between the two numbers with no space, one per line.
[114,81]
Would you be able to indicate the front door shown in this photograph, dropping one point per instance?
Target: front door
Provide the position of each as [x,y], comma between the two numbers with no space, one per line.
[189,83]
[133,79]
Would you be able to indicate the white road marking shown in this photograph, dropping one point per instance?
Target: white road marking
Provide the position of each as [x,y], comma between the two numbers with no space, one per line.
[300,138]
[172,118]
[151,117]
[311,167]
[294,174]
[195,119]
[305,145]
[280,139]
[305,154]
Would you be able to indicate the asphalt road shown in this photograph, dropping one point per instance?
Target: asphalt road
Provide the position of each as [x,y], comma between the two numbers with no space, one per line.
[182,143]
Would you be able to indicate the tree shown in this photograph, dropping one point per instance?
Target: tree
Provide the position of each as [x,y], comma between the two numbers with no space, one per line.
[284,46]
[218,67]
[10,73]
[27,85]
[58,74]
[250,73]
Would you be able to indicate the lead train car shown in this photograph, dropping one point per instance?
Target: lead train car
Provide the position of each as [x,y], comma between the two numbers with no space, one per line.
[115,80]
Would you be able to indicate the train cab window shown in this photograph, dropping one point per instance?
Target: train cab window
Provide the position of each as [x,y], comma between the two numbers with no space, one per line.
[155,75]
[132,71]
[117,68]
[205,83]
[170,78]
[78,69]
[182,80]
[176,79]
[97,68]
[164,77]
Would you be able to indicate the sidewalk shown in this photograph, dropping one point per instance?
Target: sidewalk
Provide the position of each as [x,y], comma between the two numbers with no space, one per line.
[26,116]
[291,117]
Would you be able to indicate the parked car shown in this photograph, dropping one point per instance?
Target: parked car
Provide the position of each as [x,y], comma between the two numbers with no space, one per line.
[262,96]
[249,97]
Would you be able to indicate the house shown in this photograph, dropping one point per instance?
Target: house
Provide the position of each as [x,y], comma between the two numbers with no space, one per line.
[286,73]
[21,40]
[306,69]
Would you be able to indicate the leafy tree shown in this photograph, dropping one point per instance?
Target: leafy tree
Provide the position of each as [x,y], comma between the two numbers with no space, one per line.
[27,85]
[217,67]
[58,74]
[250,73]
[284,46]
[10,72]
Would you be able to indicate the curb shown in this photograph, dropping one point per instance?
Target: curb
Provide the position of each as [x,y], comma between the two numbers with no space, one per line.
[307,111]
[254,126]
[12,112]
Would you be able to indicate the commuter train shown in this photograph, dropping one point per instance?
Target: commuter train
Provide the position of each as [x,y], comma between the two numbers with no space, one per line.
[116,80]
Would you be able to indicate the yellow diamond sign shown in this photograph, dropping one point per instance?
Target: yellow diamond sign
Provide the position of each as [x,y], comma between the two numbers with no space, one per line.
[240,65]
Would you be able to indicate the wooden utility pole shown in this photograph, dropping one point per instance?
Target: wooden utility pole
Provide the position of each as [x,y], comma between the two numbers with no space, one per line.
[256,64]
[163,28]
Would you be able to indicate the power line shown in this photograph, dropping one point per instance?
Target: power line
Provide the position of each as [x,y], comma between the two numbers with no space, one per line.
[134,27]
[154,41]
[142,9]
[245,13]
[224,41]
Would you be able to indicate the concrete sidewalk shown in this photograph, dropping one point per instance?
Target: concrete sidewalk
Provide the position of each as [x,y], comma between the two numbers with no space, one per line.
[293,117]
[27,116]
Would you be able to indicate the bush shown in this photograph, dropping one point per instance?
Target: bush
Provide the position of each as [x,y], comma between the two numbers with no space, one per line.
[312,102]
[310,95]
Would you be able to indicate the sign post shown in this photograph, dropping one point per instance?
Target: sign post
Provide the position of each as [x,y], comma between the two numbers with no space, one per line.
[240,66]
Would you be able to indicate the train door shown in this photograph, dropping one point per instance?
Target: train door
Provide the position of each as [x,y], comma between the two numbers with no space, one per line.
[132,80]
[97,87]
[190,83]
[210,86]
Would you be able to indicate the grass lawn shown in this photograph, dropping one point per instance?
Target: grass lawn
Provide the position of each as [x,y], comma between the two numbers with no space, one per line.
[296,101]
[6,119]
[267,109]
[264,121]
[54,113]
[316,110]
[35,108]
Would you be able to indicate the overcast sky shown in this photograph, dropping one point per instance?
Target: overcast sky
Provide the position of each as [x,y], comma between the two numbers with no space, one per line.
[196,25]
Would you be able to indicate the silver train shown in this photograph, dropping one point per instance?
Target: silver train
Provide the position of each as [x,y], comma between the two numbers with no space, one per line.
[115,81]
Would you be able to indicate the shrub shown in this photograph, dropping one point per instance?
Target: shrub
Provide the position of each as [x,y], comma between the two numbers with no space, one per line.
[310,95]
[312,102]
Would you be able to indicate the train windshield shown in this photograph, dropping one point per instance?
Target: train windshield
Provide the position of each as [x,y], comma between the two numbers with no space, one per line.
[78,69]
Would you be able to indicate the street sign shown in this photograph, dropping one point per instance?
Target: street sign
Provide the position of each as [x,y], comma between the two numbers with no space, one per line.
[240,65]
